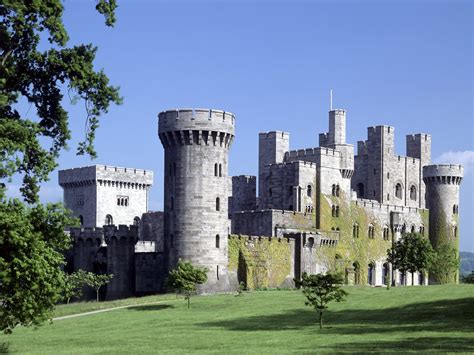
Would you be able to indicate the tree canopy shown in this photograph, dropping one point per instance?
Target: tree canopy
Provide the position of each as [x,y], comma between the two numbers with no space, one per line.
[38,68]
[322,289]
[185,278]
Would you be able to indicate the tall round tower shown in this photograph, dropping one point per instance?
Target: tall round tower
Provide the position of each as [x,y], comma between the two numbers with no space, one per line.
[442,199]
[196,226]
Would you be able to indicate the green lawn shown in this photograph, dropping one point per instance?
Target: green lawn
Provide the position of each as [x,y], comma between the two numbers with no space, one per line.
[434,318]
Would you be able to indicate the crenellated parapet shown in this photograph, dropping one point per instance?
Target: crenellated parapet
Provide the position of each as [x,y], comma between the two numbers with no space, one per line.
[92,236]
[122,234]
[451,174]
[106,176]
[196,127]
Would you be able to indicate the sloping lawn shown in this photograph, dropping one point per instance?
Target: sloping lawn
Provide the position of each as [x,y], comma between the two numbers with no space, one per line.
[434,318]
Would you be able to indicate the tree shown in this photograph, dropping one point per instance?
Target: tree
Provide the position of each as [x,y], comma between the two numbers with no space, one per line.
[185,278]
[97,281]
[321,289]
[445,264]
[468,279]
[411,253]
[30,246]
[73,284]
[32,240]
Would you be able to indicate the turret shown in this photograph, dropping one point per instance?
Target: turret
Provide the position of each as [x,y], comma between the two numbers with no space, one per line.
[196,144]
[442,197]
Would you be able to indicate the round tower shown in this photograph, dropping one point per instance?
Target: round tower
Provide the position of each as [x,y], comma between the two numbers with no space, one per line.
[196,225]
[442,198]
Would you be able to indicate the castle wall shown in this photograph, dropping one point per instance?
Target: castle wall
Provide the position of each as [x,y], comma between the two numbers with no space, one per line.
[150,273]
[151,229]
[244,193]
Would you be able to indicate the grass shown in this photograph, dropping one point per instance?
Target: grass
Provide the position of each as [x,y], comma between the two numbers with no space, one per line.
[432,319]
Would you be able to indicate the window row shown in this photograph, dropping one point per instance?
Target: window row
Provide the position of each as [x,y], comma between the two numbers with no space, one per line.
[122,200]
[109,220]
[335,211]
[335,191]
[455,209]
[218,170]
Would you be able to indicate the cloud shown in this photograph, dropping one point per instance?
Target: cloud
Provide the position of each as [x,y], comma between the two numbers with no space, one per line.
[465,158]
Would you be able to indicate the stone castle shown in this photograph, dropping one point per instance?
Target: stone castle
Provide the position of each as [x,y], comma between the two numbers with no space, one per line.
[317,209]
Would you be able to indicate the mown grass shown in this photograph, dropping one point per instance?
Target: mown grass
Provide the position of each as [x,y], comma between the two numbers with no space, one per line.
[430,319]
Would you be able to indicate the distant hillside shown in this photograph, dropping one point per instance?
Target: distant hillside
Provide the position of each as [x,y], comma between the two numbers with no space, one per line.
[467,262]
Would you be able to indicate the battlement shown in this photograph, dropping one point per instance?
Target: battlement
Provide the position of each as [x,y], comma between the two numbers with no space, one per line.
[206,121]
[311,152]
[377,206]
[105,175]
[145,246]
[244,179]
[92,235]
[273,134]
[122,233]
[291,163]
[443,174]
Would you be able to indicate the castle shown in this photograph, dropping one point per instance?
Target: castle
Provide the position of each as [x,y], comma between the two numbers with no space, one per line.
[318,209]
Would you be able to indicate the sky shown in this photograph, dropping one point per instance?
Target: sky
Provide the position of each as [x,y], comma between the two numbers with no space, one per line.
[407,64]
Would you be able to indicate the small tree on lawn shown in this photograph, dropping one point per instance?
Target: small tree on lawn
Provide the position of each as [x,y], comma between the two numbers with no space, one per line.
[321,289]
[185,278]
[411,253]
[97,281]
[73,284]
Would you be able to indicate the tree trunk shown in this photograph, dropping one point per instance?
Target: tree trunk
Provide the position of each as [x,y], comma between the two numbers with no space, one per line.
[320,319]
[189,299]
[97,293]
[413,278]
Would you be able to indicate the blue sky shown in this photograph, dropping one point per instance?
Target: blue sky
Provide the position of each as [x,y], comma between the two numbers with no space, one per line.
[408,64]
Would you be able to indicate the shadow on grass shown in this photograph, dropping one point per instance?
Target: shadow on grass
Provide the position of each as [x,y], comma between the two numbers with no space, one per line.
[4,348]
[436,344]
[150,307]
[437,316]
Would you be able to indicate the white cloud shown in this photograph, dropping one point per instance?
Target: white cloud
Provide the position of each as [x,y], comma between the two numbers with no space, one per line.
[465,158]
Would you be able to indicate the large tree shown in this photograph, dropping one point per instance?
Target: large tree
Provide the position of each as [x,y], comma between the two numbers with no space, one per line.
[37,67]
[412,253]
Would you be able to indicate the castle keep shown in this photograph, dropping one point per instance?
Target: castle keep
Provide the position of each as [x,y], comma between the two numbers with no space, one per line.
[318,209]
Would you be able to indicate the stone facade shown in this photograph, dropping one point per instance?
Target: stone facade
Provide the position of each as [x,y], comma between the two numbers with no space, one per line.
[318,209]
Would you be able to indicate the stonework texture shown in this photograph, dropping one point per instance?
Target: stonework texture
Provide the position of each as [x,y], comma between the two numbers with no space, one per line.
[317,209]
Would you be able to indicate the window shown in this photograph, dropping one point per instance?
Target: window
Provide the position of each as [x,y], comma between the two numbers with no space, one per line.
[422,230]
[371,273]
[217,241]
[337,190]
[455,232]
[80,200]
[333,191]
[355,231]
[356,273]
[413,193]
[218,204]
[122,200]
[220,169]
[455,209]
[217,272]
[333,211]
[109,220]
[386,233]
[412,230]
[398,190]
[388,176]
[371,231]
[81,220]
[215,169]
[337,211]
[136,221]
[385,271]
[309,191]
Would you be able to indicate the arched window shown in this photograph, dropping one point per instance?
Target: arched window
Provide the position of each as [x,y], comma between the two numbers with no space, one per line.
[333,191]
[136,221]
[337,211]
[217,241]
[333,211]
[455,231]
[413,193]
[385,271]
[309,191]
[356,273]
[371,273]
[386,233]
[81,220]
[126,201]
[371,231]
[422,230]
[338,190]
[412,229]
[215,169]
[360,190]
[118,202]
[355,231]
[109,220]
[455,209]
[310,242]
[220,169]
[398,190]
[218,204]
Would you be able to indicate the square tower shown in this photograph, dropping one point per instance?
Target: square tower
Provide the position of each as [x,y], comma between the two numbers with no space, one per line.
[99,195]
